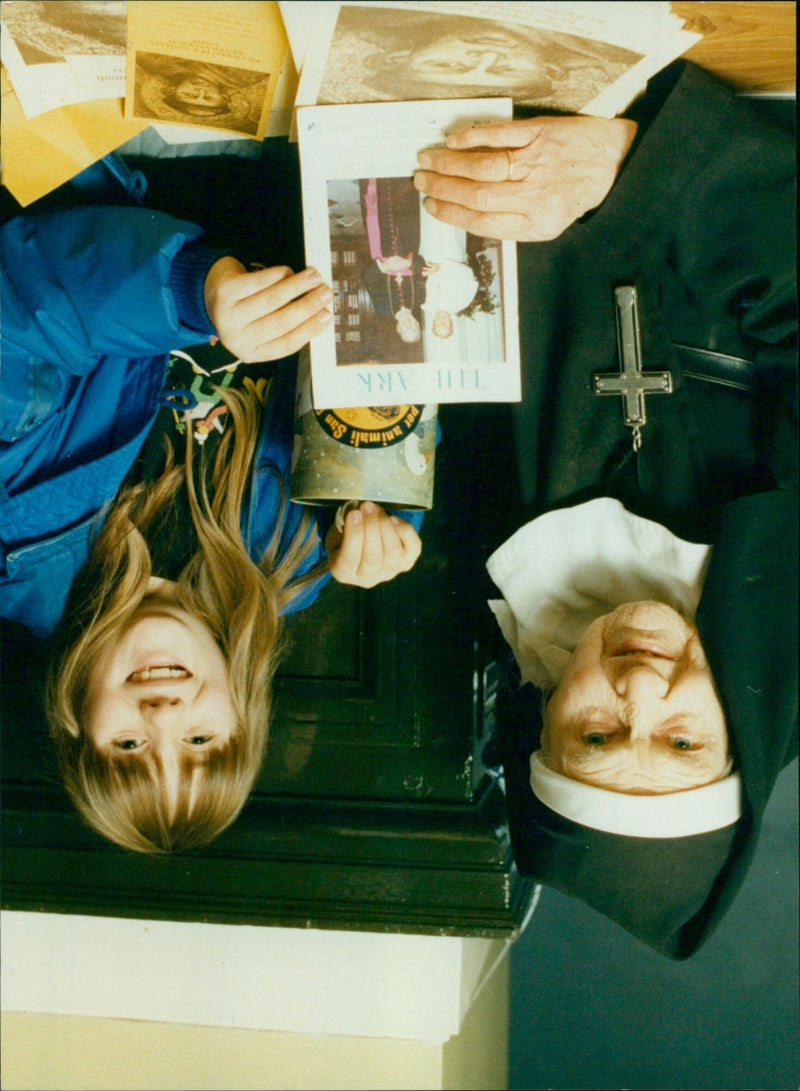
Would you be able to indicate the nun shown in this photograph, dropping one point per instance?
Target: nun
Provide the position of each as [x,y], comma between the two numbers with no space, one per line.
[649,596]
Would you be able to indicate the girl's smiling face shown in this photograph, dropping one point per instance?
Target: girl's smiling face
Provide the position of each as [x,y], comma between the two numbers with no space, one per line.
[160,690]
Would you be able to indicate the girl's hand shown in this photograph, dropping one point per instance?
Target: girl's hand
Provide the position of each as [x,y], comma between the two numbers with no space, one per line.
[266,314]
[374,548]
[524,180]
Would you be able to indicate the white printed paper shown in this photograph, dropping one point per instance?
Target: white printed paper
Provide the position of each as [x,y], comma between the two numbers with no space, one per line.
[424,312]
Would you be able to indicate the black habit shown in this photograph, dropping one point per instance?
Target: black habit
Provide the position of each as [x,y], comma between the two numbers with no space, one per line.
[701,220]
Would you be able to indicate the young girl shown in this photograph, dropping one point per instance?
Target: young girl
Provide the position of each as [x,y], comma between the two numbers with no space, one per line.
[167,633]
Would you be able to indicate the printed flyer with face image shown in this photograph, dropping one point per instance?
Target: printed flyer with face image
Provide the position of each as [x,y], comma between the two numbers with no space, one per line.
[215,65]
[574,57]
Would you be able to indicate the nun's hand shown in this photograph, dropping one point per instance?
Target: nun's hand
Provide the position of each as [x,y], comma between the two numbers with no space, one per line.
[373,548]
[266,314]
[525,180]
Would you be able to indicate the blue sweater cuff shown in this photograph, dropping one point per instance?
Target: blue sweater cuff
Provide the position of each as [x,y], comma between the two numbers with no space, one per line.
[186,279]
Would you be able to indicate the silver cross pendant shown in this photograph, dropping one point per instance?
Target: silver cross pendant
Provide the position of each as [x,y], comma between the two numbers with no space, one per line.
[631,383]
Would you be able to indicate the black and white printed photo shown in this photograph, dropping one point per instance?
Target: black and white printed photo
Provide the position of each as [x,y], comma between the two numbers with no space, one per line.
[381,54]
[176,89]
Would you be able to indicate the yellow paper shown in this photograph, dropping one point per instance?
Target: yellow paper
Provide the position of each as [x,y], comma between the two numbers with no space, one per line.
[212,64]
[43,152]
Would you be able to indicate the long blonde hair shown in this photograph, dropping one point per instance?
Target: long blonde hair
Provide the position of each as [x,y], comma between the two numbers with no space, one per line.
[122,797]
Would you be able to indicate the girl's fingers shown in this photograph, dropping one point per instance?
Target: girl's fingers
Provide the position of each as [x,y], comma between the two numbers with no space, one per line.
[348,555]
[291,341]
[375,547]
[238,284]
[268,313]
[258,280]
[269,298]
[357,560]
[391,543]
[272,325]
[410,542]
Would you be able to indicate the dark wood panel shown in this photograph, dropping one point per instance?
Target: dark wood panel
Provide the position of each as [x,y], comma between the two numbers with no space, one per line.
[323,864]
[374,810]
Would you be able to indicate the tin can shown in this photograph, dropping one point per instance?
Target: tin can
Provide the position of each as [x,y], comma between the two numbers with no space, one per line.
[380,453]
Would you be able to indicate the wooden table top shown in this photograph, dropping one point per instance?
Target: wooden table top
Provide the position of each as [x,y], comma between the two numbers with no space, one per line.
[750,45]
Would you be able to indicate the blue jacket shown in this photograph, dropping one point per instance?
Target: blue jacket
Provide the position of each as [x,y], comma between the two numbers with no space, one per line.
[93,300]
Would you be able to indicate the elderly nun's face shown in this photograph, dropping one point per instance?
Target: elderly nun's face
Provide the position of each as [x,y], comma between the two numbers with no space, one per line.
[636,709]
